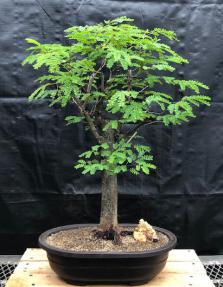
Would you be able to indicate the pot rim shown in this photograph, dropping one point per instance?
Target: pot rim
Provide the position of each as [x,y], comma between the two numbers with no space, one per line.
[105,254]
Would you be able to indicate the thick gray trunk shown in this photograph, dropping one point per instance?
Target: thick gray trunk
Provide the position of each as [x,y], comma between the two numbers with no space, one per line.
[109,202]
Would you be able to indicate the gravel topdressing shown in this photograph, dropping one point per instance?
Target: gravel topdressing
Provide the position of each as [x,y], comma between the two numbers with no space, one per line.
[82,239]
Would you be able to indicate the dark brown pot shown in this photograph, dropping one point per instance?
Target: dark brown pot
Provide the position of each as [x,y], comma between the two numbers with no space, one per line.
[81,268]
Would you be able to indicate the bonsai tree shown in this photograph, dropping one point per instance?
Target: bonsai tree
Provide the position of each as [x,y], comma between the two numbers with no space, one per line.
[116,74]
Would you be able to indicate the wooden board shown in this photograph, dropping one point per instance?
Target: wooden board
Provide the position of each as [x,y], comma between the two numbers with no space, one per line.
[183,269]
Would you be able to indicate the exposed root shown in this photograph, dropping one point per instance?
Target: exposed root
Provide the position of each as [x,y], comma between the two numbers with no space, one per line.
[117,238]
[108,234]
[126,233]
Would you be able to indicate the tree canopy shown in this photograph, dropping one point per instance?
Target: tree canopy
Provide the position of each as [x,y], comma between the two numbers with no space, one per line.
[117,74]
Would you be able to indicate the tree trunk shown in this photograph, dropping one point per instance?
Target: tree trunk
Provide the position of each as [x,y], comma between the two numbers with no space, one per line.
[109,202]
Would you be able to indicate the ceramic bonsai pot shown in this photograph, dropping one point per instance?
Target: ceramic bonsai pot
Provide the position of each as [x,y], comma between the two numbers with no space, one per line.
[81,268]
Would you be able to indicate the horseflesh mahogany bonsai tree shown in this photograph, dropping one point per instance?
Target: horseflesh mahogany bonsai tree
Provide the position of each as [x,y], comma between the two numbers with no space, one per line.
[116,74]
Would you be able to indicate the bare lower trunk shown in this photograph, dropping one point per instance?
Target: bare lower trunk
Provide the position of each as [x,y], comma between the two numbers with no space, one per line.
[108,227]
[109,202]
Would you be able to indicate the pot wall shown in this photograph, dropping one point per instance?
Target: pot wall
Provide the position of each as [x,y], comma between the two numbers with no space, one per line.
[39,188]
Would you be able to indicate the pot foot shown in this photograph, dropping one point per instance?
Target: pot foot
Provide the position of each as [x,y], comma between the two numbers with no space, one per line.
[78,283]
[138,283]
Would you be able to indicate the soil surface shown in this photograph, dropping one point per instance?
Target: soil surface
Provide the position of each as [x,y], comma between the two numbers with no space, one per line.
[83,239]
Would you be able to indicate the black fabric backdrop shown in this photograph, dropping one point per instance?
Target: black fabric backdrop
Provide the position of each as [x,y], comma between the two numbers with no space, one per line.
[39,188]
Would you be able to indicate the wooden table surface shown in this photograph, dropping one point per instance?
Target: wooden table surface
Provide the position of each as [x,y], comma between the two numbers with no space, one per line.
[183,269]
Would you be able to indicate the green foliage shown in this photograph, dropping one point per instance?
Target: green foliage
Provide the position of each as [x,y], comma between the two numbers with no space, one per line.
[73,119]
[115,73]
[112,124]
[118,157]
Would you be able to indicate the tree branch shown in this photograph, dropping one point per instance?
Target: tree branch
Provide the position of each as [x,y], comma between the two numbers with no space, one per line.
[140,125]
[90,122]
[93,77]
[135,133]
[129,80]
[93,128]
[143,89]
[102,82]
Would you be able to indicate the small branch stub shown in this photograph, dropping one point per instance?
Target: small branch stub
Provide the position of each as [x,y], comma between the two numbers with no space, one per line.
[145,232]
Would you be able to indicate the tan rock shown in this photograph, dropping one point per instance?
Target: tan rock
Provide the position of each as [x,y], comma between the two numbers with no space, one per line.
[139,236]
[144,231]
